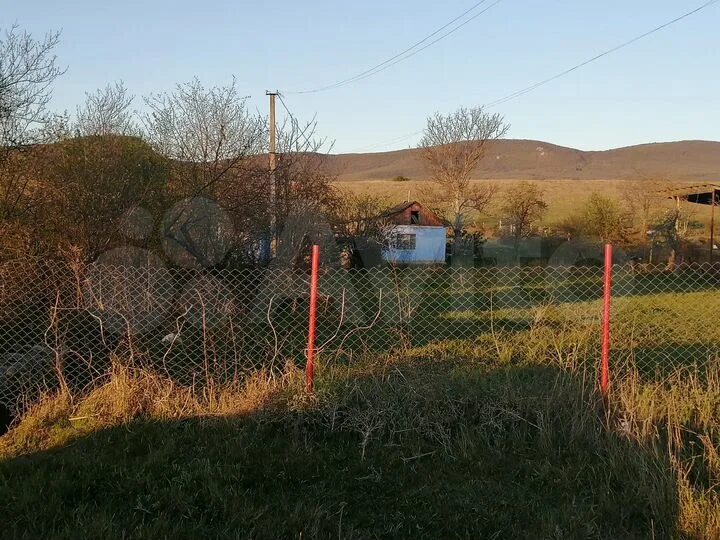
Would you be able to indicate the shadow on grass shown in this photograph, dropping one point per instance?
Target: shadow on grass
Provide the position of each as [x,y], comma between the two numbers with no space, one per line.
[423,450]
[417,307]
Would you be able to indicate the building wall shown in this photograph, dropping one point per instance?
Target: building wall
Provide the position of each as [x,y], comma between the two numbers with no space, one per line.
[429,245]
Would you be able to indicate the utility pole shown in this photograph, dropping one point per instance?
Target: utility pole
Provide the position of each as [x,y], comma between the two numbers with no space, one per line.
[273,156]
[712,225]
[273,167]
[675,247]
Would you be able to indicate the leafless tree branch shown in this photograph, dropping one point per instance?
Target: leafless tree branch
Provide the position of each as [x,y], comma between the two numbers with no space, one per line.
[452,147]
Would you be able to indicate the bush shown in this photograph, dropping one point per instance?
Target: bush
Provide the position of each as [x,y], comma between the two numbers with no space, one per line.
[401,178]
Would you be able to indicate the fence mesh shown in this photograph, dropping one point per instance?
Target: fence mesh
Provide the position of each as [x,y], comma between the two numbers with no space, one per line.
[64,324]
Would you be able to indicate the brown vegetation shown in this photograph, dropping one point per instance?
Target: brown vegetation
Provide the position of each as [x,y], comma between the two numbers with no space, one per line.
[513,159]
[521,450]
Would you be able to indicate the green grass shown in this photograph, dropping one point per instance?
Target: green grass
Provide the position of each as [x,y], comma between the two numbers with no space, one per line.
[660,321]
[434,443]
[486,424]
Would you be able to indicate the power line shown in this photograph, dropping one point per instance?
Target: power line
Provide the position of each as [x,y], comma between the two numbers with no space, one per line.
[302,134]
[363,149]
[404,54]
[292,118]
[285,107]
[530,88]
[391,141]
[432,42]
[366,72]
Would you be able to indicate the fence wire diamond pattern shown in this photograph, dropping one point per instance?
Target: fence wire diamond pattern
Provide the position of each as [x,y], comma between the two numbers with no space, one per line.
[66,325]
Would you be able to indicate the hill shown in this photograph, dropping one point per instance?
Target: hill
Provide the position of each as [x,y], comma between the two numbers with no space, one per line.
[694,161]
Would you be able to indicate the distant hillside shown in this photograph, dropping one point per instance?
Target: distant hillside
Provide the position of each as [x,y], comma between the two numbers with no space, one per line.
[535,160]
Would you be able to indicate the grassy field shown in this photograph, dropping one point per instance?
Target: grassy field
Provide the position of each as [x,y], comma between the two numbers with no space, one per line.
[486,424]
[444,441]
[564,197]
[661,320]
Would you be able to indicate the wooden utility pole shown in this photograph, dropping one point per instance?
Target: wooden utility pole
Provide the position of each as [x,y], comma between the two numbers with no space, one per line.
[675,247]
[712,226]
[273,168]
[273,155]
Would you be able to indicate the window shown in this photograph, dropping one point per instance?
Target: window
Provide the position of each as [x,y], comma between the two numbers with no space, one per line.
[415,217]
[405,241]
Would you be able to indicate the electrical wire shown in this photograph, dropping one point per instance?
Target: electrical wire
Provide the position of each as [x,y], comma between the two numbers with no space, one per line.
[294,121]
[532,87]
[385,143]
[302,132]
[286,107]
[401,56]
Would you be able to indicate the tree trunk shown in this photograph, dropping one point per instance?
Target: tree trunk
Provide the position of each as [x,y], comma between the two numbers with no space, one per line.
[456,247]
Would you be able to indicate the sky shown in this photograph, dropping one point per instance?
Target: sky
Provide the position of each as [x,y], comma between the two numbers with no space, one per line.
[663,88]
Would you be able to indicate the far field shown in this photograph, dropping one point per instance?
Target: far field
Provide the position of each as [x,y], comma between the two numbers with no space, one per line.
[567,175]
[562,196]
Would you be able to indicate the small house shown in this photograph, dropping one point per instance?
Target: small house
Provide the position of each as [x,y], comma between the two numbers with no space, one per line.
[415,235]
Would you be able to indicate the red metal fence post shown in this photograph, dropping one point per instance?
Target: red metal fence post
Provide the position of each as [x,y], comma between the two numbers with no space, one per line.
[605,366]
[310,368]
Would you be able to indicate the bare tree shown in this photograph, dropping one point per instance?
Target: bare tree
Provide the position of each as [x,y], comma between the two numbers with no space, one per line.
[359,215]
[212,142]
[303,185]
[107,112]
[453,146]
[644,201]
[672,230]
[28,68]
[207,132]
[302,175]
[362,227]
[524,205]
[216,149]
[294,137]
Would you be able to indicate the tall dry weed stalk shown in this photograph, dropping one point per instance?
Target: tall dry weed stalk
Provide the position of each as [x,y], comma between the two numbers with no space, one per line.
[679,417]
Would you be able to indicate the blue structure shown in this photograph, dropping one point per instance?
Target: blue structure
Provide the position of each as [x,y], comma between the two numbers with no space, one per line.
[414,235]
[415,244]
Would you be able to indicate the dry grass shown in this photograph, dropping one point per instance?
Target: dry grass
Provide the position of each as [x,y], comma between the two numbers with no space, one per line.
[505,430]
[564,197]
[648,466]
[679,417]
[133,393]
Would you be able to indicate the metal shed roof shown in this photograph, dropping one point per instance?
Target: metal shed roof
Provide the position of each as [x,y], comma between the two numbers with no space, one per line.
[699,194]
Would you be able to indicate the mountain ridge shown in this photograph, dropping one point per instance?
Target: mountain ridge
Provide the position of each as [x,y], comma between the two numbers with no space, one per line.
[527,159]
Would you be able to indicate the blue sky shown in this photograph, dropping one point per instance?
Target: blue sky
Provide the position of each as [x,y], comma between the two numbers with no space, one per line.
[666,87]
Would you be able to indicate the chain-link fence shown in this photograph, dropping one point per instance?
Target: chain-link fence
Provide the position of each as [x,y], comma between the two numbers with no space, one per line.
[66,324]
